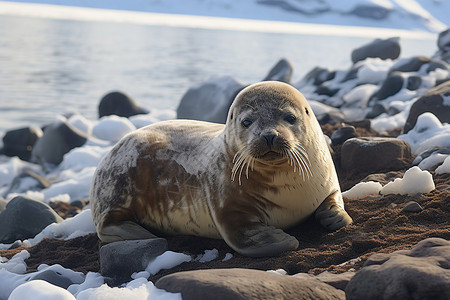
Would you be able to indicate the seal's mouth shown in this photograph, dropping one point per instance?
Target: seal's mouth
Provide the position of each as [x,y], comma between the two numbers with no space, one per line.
[271,155]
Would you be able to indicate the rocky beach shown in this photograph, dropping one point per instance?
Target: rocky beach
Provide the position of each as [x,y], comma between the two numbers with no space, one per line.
[387,122]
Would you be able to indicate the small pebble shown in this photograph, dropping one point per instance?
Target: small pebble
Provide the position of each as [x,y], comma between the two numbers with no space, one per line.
[412,206]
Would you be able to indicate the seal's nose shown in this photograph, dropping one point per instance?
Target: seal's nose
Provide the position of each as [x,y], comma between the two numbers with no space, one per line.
[269,139]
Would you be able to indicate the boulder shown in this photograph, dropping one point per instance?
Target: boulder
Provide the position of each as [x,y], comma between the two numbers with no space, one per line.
[372,154]
[375,12]
[384,49]
[245,284]
[118,260]
[209,101]
[443,41]
[390,86]
[338,281]
[119,104]
[19,142]
[316,76]
[434,101]
[410,65]
[420,273]
[58,139]
[282,71]
[342,134]
[24,218]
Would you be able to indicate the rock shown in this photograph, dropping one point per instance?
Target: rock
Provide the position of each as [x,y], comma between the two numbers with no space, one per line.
[376,110]
[384,178]
[413,83]
[245,284]
[118,260]
[375,12]
[391,86]
[433,101]
[53,277]
[209,101]
[24,217]
[282,71]
[412,206]
[325,90]
[374,154]
[384,49]
[443,41]
[119,104]
[18,184]
[20,142]
[338,281]
[410,65]
[317,76]
[420,273]
[342,134]
[58,139]
[437,64]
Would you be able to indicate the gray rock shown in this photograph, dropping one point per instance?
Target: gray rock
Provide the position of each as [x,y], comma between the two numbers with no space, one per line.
[282,71]
[119,104]
[374,154]
[245,284]
[375,12]
[413,83]
[209,101]
[316,76]
[53,277]
[411,65]
[19,142]
[412,207]
[391,86]
[384,49]
[443,41]
[437,64]
[342,134]
[376,110]
[24,217]
[420,273]
[432,101]
[58,139]
[118,260]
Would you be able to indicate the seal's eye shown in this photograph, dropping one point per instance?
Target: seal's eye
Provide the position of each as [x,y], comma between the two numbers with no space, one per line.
[291,119]
[246,123]
[306,111]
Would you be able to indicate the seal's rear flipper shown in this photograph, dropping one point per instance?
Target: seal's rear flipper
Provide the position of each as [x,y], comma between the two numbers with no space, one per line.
[127,230]
[331,213]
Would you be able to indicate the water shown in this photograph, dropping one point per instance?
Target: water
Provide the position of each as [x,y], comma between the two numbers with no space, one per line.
[50,67]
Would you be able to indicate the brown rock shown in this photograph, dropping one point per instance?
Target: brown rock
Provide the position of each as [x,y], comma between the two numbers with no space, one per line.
[420,273]
[245,284]
[372,154]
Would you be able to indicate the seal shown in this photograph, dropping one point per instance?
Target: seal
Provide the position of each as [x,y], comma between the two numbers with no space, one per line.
[267,169]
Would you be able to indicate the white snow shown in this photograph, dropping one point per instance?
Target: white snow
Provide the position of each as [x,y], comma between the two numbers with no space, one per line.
[167,260]
[209,255]
[112,128]
[362,189]
[40,289]
[445,167]
[413,182]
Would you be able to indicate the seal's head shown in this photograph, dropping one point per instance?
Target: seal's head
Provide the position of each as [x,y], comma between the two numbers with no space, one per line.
[267,124]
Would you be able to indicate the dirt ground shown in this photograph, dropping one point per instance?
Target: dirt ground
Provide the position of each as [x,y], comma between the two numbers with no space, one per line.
[379,225]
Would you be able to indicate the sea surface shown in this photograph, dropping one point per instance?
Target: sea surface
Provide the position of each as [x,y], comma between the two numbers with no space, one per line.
[50,67]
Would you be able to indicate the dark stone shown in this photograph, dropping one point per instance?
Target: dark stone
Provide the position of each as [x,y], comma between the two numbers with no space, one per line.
[342,134]
[324,90]
[245,284]
[209,101]
[282,71]
[318,76]
[384,178]
[118,260]
[411,65]
[413,83]
[375,12]
[119,104]
[374,154]
[412,207]
[384,49]
[420,273]
[376,110]
[53,277]
[58,139]
[443,41]
[391,86]
[437,65]
[433,102]
[24,217]
[20,142]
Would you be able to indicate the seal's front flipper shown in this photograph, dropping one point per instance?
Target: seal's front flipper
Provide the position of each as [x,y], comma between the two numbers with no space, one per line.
[127,230]
[331,213]
[257,239]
